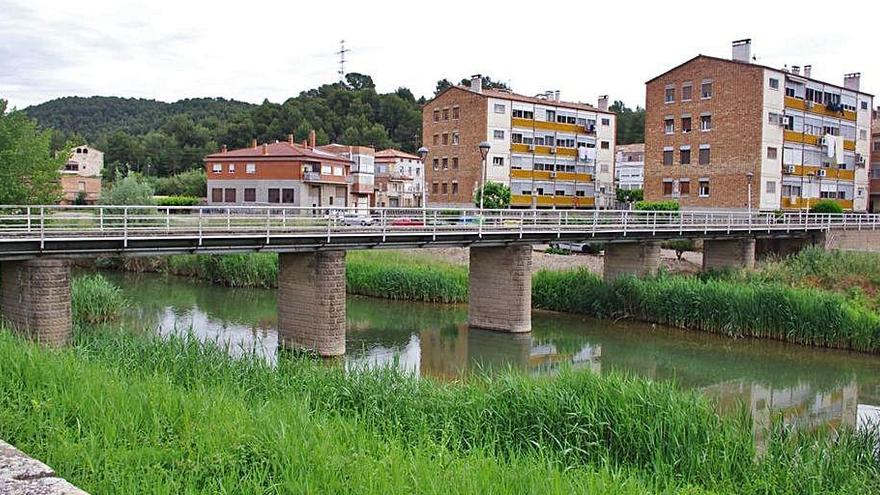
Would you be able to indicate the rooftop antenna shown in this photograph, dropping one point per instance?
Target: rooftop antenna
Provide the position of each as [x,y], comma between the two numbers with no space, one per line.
[342,51]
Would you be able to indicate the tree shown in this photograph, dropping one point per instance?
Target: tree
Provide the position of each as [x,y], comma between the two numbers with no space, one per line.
[29,171]
[630,123]
[488,83]
[132,189]
[629,195]
[826,206]
[497,196]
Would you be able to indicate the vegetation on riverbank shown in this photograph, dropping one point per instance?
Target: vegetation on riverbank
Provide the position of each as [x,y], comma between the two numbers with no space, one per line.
[120,412]
[94,299]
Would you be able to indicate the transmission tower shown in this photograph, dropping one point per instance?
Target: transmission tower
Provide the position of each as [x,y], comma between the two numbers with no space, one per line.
[342,51]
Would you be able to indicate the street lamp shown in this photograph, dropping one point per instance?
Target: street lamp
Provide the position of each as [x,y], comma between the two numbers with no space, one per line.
[423,154]
[749,177]
[484,152]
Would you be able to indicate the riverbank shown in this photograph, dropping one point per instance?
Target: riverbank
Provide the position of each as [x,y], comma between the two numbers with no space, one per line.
[127,412]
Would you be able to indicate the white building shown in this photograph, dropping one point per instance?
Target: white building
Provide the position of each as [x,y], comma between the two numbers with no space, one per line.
[629,166]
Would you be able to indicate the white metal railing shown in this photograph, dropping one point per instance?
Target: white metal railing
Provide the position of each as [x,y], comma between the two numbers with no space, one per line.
[127,222]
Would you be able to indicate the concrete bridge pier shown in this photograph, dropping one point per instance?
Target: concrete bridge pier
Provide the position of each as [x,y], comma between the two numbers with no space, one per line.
[35,299]
[632,258]
[311,301]
[500,294]
[728,253]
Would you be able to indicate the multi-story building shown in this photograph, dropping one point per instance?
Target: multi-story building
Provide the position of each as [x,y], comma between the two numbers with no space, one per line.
[399,179]
[629,166]
[81,176]
[551,153]
[360,171]
[875,162]
[284,173]
[732,134]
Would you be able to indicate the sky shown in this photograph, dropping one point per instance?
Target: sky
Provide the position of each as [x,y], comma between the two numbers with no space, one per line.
[256,50]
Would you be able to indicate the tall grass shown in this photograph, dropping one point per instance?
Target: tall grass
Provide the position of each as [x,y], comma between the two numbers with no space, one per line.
[124,413]
[394,276]
[94,299]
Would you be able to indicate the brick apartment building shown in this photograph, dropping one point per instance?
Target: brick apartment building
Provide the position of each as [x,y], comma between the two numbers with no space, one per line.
[551,153]
[81,176]
[284,173]
[717,130]
[875,162]
[400,179]
[629,166]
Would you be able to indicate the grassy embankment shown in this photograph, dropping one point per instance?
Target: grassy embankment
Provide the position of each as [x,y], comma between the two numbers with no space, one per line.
[126,412]
[813,298]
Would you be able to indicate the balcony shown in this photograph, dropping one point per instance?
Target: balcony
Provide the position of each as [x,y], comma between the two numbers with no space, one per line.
[550,201]
[818,108]
[552,126]
[547,175]
[317,177]
[543,150]
[801,203]
[830,172]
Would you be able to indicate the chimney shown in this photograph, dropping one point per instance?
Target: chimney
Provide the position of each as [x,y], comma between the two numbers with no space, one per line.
[254,143]
[852,80]
[603,103]
[223,149]
[796,69]
[290,138]
[742,50]
[808,69]
[312,138]
[556,95]
[265,149]
[477,83]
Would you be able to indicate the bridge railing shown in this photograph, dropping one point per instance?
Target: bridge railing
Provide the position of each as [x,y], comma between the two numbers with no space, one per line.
[129,221]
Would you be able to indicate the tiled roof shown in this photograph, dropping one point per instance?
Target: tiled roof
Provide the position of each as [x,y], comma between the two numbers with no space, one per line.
[282,149]
[393,153]
[631,148]
[506,95]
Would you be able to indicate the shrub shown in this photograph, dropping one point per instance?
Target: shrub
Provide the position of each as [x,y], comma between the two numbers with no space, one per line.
[132,189]
[630,195]
[497,196]
[668,205]
[94,299]
[826,206]
[177,201]
[190,183]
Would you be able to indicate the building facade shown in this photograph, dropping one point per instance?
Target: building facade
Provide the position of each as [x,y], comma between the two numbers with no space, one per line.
[81,176]
[551,153]
[732,134]
[282,173]
[362,164]
[875,163]
[629,166]
[400,179]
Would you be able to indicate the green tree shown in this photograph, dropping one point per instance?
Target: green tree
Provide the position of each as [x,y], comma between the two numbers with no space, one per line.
[497,196]
[29,171]
[630,123]
[826,206]
[132,189]
[629,195]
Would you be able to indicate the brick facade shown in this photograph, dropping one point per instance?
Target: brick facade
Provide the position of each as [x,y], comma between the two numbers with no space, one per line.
[736,109]
[35,299]
[500,294]
[311,301]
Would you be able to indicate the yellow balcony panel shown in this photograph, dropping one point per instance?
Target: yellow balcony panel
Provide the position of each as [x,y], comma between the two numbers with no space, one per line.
[849,145]
[545,200]
[541,175]
[519,148]
[520,174]
[563,200]
[846,174]
[795,103]
[549,126]
[817,108]
[520,200]
[800,137]
[846,204]
[566,176]
[584,201]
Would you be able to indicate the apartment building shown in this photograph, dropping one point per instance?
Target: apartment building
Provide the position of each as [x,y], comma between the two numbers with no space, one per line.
[81,176]
[283,173]
[551,153]
[400,179]
[360,172]
[875,163]
[731,134]
[629,166]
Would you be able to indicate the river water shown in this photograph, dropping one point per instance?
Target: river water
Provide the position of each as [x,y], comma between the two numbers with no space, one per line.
[808,387]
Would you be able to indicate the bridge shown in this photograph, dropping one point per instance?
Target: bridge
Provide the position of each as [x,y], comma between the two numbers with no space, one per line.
[37,243]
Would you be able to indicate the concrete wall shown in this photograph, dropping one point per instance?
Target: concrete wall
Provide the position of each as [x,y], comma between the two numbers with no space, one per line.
[500,294]
[21,475]
[853,240]
[35,299]
[637,258]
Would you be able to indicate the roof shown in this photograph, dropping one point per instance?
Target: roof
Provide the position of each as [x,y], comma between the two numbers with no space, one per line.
[282,149]
[631,148]
[339,149]
[393,153]
[757,66]
[506,95]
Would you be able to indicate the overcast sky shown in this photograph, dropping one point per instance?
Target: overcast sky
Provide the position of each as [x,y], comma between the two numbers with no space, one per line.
[255,50]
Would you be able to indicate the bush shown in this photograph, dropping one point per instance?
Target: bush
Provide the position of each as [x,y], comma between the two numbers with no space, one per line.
[630,195]
[178,201]
[190,183]
[94,299]
[668,205]
[132,189]
[497,196]
[826,206]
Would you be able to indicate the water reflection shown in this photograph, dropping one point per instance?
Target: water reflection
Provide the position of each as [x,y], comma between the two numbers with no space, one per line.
[808,388]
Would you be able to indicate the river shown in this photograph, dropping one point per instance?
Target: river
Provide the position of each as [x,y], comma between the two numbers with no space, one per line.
[808,387]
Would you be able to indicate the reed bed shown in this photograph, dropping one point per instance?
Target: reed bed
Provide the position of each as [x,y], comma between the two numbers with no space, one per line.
[94,299]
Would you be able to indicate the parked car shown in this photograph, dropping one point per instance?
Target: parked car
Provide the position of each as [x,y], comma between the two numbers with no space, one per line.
[406,222]
[578,247]
[357,218]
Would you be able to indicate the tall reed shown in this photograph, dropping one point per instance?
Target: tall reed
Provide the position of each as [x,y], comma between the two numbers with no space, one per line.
[94,299]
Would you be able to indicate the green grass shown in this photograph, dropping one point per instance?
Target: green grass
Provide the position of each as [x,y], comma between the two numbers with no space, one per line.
[393,275]
[126,413]
[94,299]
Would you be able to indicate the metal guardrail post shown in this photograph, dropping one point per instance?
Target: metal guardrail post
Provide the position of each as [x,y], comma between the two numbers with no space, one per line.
[625,222]
[383,219]
[101,218]
[200,226]
[595,221]
[167,220]
[125,226]
[522,220]
[28,219]
[268,225]
[42,228]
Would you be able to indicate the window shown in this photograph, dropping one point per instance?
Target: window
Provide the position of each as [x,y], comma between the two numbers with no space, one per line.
[229,195]
[687,92]
[603,167]
[81,186]
[704,156]
[704,188]
[605,145]
[217,168]
[606,122]
[685,156]
[274,195]
[445,162]
[771,187]
[231,168]
[444,188]
[455,138]
[684,187]
[774,83]
[669,96]
[445,114]
[250,168]
[454,164]
[667,187]
[669,125]
[772,153]
[498,160]
[706,90]
[667,157]
[454,187]
[456,114]
[436,139]
[516,138]
[436,164]
[216,195]
[250,195]
[435,188]
[705,122]
[498,134]
[436,115]
[445,138]
[686,124]
[500,108]
[863,134]
[864,105]
[71,166]
[287,196]
[551,116]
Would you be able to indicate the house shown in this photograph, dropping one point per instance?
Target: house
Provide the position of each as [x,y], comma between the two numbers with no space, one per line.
[81,176]
[400,179]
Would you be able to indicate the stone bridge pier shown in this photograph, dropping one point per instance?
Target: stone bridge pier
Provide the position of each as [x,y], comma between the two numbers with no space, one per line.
[633,258]
[728,253]
[35,299]
[500,293]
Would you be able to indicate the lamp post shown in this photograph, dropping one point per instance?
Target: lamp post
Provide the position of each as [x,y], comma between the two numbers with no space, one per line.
[484,152]
[749,177]
[423,154]
[810,177]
